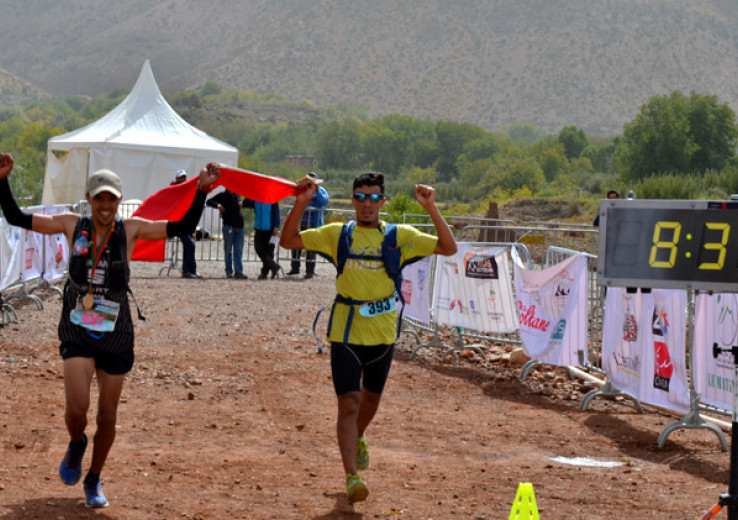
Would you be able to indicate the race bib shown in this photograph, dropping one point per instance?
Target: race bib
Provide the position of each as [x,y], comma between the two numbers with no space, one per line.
[100,318]
[377,307]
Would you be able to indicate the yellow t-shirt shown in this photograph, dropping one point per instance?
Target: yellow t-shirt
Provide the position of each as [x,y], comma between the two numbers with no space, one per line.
[366,279]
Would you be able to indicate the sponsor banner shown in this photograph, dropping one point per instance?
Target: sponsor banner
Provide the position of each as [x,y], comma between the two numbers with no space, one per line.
[33,250]
[56,250]
[623,340]
[666,383]
[473,290]
[27,255]
[644,346]
[716,321]
[416,289]
[552,310]
[11,255]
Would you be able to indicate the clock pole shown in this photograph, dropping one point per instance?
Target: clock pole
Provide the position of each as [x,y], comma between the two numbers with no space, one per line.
[730,498]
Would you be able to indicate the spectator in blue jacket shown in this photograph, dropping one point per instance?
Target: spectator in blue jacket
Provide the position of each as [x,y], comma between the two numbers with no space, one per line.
[266,226]
[312,218]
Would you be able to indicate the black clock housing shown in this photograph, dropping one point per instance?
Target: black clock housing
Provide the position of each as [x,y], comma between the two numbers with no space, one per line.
[670,244]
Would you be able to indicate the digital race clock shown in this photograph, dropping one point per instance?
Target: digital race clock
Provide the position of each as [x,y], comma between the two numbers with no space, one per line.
[671,244]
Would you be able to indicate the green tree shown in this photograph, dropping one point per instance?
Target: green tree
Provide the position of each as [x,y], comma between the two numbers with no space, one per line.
[511,173]
[713,129]
[381,147]
[394,143]
[574,141]
[211,88]
[553,161]
[452,137]
[339,145]
[677,134]
[602,156]
[525,134]
[482,148]
[418,175]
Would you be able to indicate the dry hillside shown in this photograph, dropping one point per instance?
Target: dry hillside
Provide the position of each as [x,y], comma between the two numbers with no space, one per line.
[489,62]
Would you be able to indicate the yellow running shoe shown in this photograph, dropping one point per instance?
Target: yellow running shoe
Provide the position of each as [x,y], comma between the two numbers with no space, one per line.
[356,489]
[362,453]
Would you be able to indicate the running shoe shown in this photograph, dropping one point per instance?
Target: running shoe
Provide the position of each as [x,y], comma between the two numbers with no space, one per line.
[94,496]
[362,453]
[70,469]
[356,489]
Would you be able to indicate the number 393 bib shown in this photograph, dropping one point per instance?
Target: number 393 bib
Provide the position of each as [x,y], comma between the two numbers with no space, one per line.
[377,307]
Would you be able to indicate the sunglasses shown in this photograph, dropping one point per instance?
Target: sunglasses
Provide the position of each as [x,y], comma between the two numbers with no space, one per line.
[374,197]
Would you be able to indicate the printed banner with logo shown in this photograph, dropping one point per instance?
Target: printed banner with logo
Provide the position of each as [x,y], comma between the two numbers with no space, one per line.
[33,250]
[644,346]
[552,310]
[716,321]
[472,290]
[27,255]
[56,250]
[11,256]
[33,262]
[416,280]
[622,345]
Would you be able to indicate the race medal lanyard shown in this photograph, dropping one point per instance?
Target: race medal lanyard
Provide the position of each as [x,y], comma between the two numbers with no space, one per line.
[89,300]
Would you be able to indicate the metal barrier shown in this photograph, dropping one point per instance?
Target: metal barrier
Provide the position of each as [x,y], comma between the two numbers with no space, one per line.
[596,313]
[596,301]
[540,245]
[412,327]
[19,289]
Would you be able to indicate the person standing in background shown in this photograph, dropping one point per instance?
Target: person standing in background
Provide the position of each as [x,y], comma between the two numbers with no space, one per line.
[229,206]
[612,194]
[189,264]
[312,218]
[266,226]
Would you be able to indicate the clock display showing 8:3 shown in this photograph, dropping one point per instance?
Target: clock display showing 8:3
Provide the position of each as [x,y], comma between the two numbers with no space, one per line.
[672,244]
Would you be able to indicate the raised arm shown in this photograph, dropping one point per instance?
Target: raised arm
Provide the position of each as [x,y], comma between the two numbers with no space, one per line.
[46,224]
[426,197]
[290,238]
[142,229]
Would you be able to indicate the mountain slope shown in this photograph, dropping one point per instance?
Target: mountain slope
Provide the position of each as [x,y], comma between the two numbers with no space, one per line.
[489,62]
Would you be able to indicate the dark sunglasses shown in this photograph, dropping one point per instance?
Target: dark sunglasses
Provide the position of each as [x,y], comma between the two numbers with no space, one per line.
[374,197]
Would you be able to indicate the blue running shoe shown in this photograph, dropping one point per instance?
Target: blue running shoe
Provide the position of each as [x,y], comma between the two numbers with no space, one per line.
[70,469]
[94,496]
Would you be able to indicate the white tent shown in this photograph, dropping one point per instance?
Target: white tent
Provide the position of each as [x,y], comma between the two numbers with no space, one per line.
[143,140]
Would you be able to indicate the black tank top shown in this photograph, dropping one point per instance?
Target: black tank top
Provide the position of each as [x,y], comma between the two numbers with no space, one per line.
[111,281]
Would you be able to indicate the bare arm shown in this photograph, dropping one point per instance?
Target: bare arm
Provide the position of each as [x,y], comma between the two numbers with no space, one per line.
[53,224]
[426,196]
[290,238]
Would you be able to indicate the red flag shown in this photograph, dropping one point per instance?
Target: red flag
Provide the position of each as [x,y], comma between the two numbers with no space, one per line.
[256,186]
[172,202]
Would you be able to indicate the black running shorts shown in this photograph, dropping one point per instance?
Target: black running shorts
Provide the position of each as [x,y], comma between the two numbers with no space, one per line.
[114,363]
[349,361]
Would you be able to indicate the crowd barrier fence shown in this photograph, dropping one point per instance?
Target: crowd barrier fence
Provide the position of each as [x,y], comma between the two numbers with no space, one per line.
[539,244]
[22,286]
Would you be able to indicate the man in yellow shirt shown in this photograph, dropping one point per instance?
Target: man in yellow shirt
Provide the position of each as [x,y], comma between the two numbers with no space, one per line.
[362,328]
